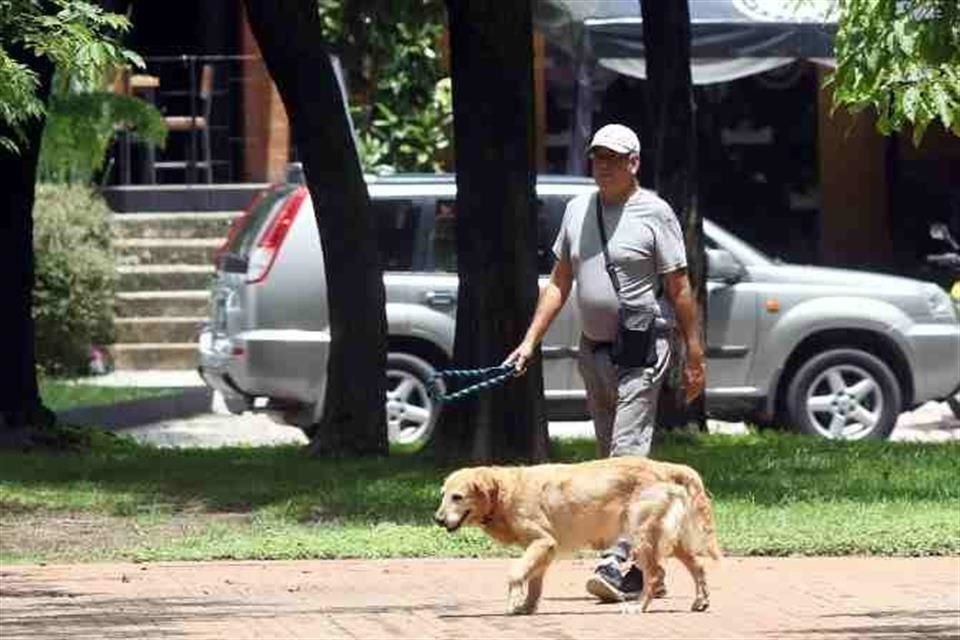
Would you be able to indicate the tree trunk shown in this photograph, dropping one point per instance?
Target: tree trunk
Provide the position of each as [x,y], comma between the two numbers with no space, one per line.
[20,403]
[491,42]
[670,157]
[289,36]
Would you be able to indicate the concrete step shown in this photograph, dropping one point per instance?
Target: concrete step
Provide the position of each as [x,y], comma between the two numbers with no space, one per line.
[164,277]
[165,264]
[182,197]
[134,251]
[153,355]
[201,224]
[132,304]
[159,329]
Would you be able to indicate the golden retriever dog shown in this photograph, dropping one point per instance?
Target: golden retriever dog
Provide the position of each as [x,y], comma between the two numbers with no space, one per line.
[552,508]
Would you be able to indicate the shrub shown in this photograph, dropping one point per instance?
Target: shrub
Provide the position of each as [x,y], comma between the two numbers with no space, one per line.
[74,278]
[392,55]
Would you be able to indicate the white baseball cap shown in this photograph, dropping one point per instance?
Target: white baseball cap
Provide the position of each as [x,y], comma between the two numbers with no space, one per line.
[616,137]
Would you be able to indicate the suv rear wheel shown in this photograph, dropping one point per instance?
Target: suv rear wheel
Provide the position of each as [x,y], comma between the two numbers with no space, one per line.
[411,413]
[845,394]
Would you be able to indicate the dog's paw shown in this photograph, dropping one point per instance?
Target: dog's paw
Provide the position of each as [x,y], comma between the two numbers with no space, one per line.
[700,604]
[645,602]
[522,608]
[518,603]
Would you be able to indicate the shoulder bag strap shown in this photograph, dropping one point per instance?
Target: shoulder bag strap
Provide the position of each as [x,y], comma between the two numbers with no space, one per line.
[603,243]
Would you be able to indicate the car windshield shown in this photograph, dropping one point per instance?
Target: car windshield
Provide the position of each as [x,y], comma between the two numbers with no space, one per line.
[746,253]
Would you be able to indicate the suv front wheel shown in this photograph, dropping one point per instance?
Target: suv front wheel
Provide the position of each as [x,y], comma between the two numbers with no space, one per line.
[845,394]
[411,413]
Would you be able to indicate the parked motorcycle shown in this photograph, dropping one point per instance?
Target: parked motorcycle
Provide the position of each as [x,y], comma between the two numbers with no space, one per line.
[950,262]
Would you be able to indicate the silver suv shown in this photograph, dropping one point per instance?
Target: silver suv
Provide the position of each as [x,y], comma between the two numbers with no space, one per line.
[832,352]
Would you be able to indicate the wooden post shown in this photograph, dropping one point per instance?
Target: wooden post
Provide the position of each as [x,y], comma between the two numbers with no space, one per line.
[854,211]
[540,101]
[266,130]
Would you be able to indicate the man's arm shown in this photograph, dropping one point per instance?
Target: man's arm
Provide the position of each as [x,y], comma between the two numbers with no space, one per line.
[677,285]
[552,298]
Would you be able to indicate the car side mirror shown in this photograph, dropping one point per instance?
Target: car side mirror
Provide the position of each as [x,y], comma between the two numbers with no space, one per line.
[722,266]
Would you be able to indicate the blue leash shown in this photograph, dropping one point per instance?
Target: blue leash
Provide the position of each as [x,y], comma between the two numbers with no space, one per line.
[494,376]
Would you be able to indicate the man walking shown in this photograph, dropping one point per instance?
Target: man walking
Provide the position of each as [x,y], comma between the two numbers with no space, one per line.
[620,245]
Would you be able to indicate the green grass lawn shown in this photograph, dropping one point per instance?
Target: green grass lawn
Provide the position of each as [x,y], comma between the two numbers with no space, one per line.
[62,394]
[774,494]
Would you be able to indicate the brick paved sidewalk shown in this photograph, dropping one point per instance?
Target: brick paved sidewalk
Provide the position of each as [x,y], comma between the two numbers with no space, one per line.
[752,598]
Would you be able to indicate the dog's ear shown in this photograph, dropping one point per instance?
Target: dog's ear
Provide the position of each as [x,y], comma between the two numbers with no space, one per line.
[486,485]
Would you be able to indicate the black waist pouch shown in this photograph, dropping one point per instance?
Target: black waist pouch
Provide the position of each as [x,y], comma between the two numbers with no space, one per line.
[635,344]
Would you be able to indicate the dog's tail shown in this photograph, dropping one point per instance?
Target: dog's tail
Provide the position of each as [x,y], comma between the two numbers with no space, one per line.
[688,478]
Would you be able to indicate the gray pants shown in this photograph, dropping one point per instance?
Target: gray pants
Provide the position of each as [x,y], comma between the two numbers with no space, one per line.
[622,402]
[623,405]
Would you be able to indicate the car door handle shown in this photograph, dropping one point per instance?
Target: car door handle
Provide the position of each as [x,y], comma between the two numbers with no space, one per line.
[440,299]
[727,351]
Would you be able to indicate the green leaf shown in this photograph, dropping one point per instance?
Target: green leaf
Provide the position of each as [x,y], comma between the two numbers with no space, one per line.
[910,102]
[78,37]
[919,128]
[900,57]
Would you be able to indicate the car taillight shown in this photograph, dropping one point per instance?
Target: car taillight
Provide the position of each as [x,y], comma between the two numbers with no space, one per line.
[263,256]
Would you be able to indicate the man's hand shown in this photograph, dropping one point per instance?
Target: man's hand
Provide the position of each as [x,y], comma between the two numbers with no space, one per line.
[677,286]
[520,358]
[695,372]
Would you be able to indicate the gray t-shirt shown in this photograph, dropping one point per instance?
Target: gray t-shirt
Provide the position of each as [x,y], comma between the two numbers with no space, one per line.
[644,241]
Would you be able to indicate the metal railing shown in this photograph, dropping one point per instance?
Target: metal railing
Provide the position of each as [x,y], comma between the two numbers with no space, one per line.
[208,131]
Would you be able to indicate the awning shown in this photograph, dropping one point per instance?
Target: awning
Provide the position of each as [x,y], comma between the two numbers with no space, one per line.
[611,29]
[730,39]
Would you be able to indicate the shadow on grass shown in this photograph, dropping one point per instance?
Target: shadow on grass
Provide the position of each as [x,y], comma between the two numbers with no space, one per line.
[179,404]
[766,469]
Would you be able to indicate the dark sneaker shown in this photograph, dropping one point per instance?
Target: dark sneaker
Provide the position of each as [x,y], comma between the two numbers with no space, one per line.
[632,581]
[609,585]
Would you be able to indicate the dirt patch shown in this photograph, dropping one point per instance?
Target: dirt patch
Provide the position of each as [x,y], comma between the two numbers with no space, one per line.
[56,536]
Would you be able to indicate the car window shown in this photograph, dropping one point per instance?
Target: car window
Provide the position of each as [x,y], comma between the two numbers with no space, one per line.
[550,211]
[443,238]
[397,222]
[723,239]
